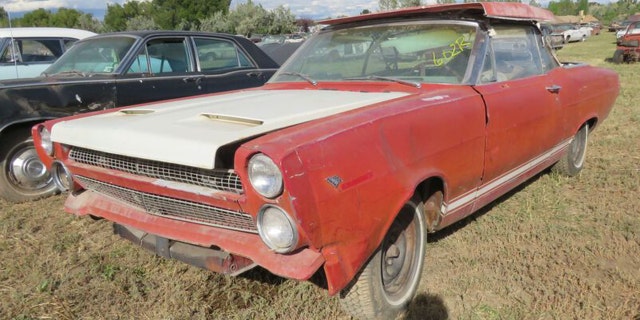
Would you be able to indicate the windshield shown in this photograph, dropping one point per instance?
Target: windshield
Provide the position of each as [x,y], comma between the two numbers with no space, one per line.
[99,55]
[436,52]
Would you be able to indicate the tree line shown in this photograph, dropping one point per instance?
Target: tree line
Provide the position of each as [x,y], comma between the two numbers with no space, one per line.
[248,18]
[200,15]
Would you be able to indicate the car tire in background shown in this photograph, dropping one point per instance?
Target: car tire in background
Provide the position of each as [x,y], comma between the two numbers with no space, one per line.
[23,177]
[618,56]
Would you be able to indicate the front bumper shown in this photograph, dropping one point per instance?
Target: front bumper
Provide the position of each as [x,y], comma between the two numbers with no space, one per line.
[221,248]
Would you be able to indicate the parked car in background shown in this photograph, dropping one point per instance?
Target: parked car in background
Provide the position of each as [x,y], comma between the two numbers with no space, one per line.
[113,70]
[593,28]
[555,39]
[628,44]
[614,26]
[571,32]
[343,162]
[631,28]
[25,52]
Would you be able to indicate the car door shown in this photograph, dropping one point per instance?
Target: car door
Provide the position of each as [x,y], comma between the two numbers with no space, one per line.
[226,66]
[163,68]
[523,108]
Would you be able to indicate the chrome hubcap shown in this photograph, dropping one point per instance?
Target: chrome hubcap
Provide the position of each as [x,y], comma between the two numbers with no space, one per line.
[27,171]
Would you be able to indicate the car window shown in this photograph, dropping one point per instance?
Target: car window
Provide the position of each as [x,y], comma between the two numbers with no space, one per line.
[219,54]
[437,52]
[160,56]
[96,55]
[32,51]
[515,53]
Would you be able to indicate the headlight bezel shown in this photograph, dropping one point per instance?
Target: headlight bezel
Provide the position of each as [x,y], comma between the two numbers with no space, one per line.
[45,140]
[286,220]
[265,176]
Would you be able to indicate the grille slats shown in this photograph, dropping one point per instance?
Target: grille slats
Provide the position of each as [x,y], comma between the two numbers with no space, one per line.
[173,208]
[222,180]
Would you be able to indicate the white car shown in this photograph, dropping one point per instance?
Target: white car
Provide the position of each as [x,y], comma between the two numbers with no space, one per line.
[26,52]
[571,32]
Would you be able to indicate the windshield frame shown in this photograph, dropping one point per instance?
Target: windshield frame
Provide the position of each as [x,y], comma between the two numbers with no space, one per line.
[296,62]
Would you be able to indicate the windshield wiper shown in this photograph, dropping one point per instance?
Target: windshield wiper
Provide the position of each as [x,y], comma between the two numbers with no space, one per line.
[406,82]
[303,76]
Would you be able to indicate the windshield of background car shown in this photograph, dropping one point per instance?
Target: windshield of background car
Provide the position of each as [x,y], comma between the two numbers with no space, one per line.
[436,52]
[99,55]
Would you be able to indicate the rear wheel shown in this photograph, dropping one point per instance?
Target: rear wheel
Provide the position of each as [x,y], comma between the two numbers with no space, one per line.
[572,162]
[618,56]
[389,281]
[23,177]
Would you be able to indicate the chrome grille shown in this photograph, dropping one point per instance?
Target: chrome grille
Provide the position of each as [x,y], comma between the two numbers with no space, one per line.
[223,180]
[173,208]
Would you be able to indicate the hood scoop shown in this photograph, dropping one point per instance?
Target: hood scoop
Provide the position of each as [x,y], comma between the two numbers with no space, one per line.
[135,112]
[231,119]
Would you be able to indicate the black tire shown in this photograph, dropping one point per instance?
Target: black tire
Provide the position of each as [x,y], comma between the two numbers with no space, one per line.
[584,38]
[23,177]
[390,279]
[572,161]
[618,56]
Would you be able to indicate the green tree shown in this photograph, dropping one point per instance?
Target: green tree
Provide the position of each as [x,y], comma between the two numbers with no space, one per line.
[118,16]
[388,4]
[218,22]
[64,17]
[4,18]
[583,5]
[282,21]
[36,18]
[248,18]
[409,3]
[185,14]
[563,7]
[142,23]
[88,22]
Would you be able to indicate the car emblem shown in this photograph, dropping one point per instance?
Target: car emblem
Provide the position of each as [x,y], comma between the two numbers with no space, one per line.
[334,181]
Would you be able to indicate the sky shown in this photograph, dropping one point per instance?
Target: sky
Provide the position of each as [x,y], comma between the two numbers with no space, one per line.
[313,9]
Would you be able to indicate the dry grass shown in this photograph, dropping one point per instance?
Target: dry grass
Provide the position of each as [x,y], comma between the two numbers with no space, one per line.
[556,248]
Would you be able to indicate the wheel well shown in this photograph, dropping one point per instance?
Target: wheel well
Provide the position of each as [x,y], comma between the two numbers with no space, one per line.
[16,127]
[592,123]
[425,189]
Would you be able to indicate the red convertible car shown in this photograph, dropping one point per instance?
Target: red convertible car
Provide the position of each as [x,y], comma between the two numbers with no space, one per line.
[380,129]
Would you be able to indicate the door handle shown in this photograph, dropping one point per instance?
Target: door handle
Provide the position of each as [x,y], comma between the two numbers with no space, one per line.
[554,88]
[254,74]
[196,79]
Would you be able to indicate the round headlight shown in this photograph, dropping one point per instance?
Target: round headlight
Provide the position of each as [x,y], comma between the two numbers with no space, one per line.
[265,176]
[62,178]
[45,140]
[276,229]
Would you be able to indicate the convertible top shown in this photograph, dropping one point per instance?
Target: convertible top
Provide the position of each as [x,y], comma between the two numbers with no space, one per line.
[500,10]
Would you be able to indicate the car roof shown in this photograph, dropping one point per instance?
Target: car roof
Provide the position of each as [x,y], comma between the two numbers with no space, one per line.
[44,32]
[498,10]
[148,33]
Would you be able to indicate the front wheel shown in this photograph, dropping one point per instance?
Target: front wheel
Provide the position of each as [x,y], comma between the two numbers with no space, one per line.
[389,281]
[23,177]
[573,160]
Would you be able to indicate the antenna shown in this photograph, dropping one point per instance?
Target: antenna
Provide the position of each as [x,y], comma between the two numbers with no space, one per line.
[14,55]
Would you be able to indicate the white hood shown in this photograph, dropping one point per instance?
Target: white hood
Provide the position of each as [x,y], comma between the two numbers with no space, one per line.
[190,131]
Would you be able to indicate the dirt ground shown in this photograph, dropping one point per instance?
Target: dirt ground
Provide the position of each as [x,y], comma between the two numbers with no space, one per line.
[555,248]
